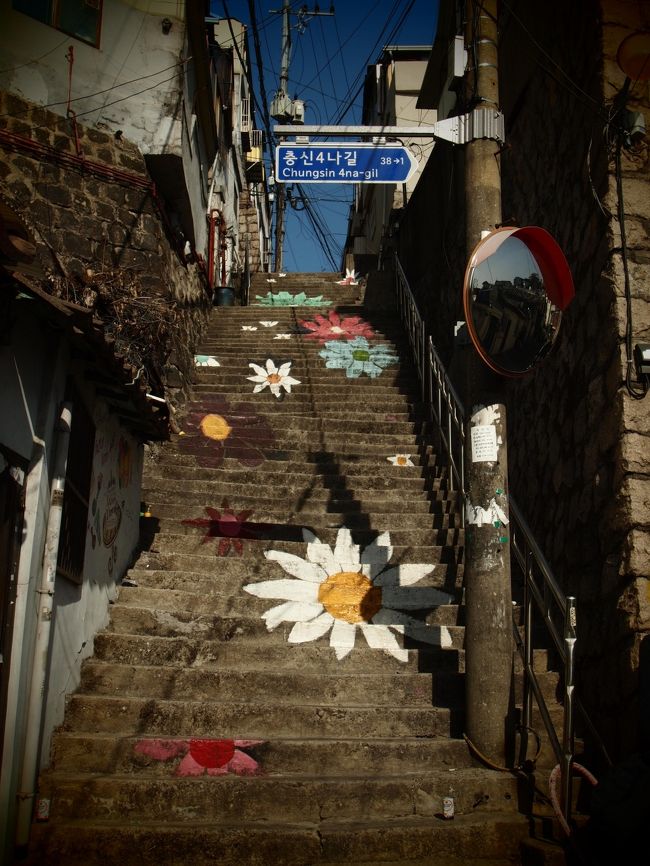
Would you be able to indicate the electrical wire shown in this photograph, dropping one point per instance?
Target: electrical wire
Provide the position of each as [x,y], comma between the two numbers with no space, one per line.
[67,102]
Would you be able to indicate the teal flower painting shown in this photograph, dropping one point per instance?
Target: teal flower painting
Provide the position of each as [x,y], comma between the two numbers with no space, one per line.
[357,357]
[286,299]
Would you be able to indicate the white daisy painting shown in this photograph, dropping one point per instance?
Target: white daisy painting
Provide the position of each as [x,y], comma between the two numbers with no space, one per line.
[344,589]
[400,460]
[272,377]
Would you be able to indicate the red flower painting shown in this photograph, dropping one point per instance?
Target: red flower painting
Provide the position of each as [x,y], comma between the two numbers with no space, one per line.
[335,327]
[229,527]
[203,756]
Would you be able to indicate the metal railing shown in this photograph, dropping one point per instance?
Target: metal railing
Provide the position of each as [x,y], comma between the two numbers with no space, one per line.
[540,588]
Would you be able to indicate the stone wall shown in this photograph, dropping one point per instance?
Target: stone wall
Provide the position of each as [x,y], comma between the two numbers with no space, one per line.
[103,238]
[573,425]
[578,443]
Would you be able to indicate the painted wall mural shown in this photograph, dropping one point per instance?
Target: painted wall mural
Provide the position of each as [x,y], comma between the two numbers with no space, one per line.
[225,524]
[112,501]
[358,357]
[345,589]
[203,756]
[215,429]
[272,377]
[336,327]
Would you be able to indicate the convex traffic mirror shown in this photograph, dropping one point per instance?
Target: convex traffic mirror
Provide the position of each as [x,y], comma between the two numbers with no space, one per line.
[517,285]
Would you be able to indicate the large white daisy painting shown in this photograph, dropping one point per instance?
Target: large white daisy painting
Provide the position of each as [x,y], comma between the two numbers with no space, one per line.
[345,589]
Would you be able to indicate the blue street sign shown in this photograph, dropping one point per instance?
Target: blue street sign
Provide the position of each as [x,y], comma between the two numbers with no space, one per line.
[343,163]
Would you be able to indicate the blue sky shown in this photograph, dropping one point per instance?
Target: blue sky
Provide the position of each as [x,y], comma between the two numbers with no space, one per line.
[327,67]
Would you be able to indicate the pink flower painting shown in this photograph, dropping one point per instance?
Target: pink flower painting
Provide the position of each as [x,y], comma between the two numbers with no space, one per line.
[335,327]
[203,756]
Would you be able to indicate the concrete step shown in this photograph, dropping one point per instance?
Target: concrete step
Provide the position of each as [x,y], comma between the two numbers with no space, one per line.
[196,652]
[128,619]
[137,800]
[260,522]
[99,753]
[327,687]
[431,544]
[306,464]
[334,385]
[221,586]
[255,720]
[405,479]
[159,557]
[310,422]
[404,840]
[225,597]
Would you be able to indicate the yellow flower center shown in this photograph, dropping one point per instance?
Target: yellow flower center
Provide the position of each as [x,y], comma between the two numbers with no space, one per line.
[273,378]
[350,596]
[215,427]
[401,460]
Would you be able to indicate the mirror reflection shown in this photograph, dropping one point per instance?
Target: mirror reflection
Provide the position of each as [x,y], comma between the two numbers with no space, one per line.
[510,317]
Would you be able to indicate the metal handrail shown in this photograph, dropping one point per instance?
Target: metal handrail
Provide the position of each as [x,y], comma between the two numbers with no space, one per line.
[540,586]
[438,393]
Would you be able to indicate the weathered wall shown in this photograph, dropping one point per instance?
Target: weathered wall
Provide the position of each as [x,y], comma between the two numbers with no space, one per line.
[430,244]
[133,57]
[112,536]
[578,452]
[102,237]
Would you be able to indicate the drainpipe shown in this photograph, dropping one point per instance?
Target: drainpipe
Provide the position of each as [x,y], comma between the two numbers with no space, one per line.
[212,222]
[45,592]
[488,593]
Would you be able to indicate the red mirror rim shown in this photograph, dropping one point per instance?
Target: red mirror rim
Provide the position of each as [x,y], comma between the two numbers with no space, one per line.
[556,273]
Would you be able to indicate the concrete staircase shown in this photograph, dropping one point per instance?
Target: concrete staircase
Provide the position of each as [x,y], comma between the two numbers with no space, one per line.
[281,681]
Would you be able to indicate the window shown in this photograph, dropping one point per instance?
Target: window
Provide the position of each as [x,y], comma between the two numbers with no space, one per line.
[79,18]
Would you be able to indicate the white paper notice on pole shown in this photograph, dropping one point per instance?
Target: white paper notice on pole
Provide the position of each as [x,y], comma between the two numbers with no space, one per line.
[484,443]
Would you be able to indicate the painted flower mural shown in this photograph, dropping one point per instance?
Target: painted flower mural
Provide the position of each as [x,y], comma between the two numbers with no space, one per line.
[357,357]
[225,524]
[203,756]
[272,377]
[336,327]
[344,590]
[351,278]
[286,299]
[214,430]
[400,460]
[206,361]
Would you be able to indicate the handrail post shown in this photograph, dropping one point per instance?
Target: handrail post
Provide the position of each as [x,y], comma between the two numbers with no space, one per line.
[567,732]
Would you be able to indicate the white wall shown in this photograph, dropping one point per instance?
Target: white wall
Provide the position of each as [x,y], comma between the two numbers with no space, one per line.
[81,611]
[38,372]
[132,49]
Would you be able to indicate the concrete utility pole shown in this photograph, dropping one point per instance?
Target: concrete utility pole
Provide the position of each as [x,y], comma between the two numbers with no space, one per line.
[285,109]
[488,596]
